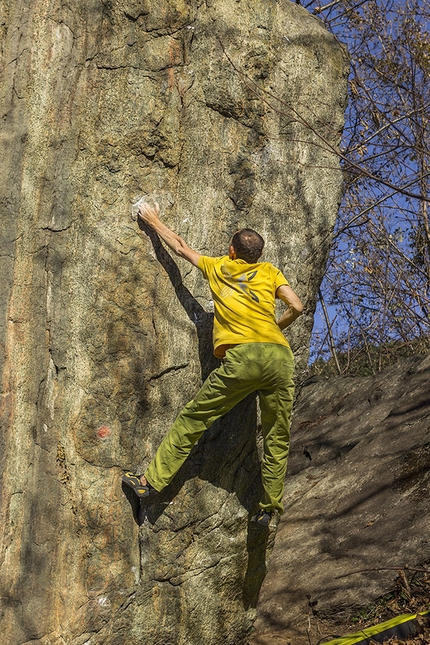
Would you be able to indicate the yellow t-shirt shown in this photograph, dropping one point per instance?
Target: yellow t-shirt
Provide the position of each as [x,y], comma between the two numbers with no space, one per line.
[244,301]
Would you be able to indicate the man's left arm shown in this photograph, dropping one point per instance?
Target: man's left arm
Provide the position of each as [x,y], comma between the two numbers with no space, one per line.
[292,300]
[174,242]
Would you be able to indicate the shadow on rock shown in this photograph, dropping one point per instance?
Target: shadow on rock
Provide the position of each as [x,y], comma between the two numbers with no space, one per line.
[134,502]
[202,320]
[259,542]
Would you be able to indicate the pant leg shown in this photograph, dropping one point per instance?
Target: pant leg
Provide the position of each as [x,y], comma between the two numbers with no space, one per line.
[224,387]
[276,404]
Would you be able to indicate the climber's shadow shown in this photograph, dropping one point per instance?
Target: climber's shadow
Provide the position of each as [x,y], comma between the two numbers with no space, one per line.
[256,545]
[226,456]
[202,320]
[134,502]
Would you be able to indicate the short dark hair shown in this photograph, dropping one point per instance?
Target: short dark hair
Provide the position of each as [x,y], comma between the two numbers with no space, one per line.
[248,245]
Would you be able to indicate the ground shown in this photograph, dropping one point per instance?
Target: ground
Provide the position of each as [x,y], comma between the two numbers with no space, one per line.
[411,594]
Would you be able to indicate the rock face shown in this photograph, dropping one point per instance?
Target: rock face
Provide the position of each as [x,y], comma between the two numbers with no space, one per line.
[102,341]
[356,498]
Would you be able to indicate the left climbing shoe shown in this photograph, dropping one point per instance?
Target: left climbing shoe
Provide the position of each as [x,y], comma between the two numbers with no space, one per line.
[262,517]
[132,480]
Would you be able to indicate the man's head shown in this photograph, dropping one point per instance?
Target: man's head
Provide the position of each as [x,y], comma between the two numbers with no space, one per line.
[246,245]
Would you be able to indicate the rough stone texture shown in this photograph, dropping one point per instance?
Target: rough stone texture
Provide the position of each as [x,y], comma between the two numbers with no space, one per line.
[101,339]
[357,497]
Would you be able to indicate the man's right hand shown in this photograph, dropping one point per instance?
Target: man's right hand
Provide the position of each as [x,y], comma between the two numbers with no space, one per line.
[175,242]
[148,214]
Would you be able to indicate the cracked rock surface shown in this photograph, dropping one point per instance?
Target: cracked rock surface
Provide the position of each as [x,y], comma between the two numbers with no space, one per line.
[104,337]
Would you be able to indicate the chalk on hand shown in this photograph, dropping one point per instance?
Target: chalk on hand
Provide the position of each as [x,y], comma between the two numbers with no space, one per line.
[135,209]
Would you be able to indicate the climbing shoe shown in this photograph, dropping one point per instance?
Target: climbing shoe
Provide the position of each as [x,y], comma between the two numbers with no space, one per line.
[132,480]
[262,517]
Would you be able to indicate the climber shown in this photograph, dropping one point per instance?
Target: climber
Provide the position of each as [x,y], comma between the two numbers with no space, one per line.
[255,357]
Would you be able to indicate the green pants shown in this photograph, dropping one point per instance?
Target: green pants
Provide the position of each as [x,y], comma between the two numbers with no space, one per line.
[265,367]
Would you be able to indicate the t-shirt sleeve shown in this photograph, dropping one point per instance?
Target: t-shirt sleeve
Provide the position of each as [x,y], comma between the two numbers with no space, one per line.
[280,279]
[206,264]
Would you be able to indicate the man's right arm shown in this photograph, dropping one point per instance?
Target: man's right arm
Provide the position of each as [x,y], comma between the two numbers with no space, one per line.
[174,242]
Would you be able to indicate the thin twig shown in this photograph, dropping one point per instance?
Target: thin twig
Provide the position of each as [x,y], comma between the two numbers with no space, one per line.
[327,6]
[330,333]
[308,629]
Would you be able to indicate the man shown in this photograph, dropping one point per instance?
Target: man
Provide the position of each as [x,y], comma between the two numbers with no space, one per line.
[255,356]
